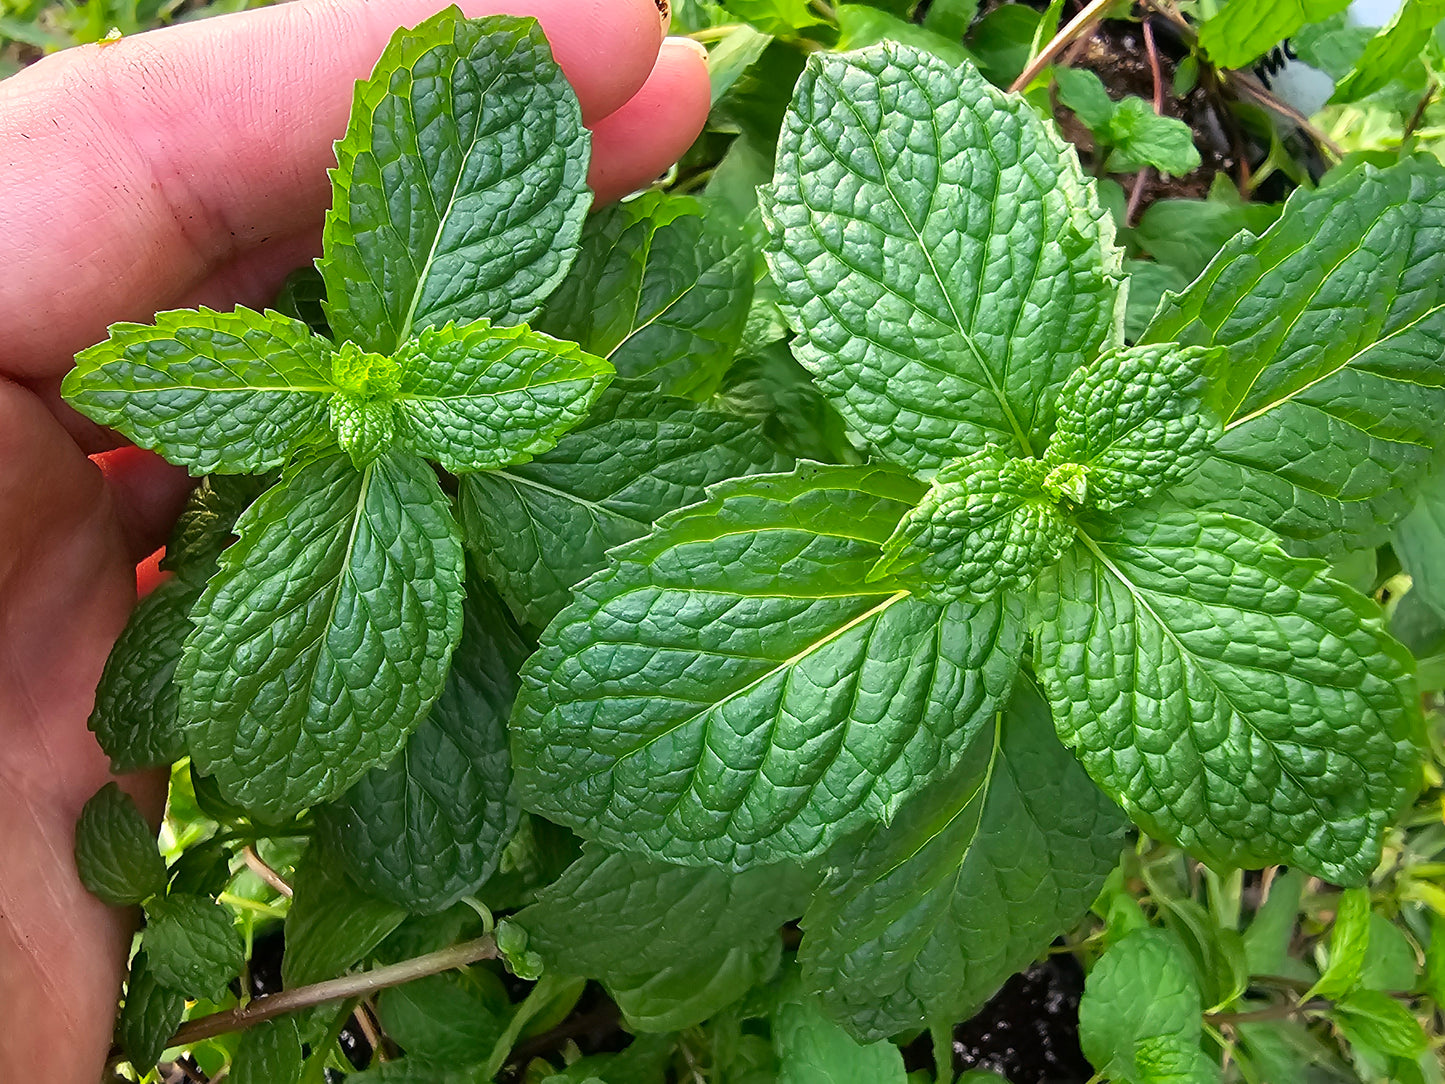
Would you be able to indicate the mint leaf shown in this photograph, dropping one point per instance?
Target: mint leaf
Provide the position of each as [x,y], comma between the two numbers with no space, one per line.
[1419,541]
[1349,942]
[986,525]
[923,919]
[115,849]
[447,1020]
[1137,420]
[429,827]
[1379,1022]
[673,944]
[1230,696]
[331,924]
[1141,137]
[1139,1018]
[460,187]
[323,639]
[134,718]
[1334,394]
[942,295]
[661,289]
[540,528]
[207,522]
[192,944]
[1242,30]
[730,689]
[360,412]
[270,1053]
[235,392]
[478,397]
[1083,91]
[775,16]
[813,1050]
[148,1018]
[1391,50]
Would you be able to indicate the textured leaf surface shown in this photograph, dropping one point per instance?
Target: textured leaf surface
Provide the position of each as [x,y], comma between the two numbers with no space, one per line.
[922,920]
[324,638]
[1138,420]
[192,944]
[1139,1018]
[235,392]
[1242,30]
[207,521]
[1391,50]
[442,1020]
[942,294]
[812,1049]
[134,718]
[542,527]
[661,288]
[115,849]
[1419,540]
[149,1018]
[730,689]
[1230,696]
[985,526]
[460,187]
[429,827]
[1334,394]
[1142,137]
[654,930]
[331,924]
[478,397]
[269,1053]
[683,995]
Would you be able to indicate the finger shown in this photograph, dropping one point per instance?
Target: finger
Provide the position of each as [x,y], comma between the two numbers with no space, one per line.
[636,144]
[139,168]
[148,494]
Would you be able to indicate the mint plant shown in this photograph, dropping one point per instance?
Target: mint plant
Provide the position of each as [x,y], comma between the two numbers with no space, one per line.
[854,662]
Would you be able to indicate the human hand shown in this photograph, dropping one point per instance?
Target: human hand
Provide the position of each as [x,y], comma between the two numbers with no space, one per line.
[182,167]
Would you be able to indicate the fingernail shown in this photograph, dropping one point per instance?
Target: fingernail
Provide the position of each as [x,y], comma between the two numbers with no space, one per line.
[696,46]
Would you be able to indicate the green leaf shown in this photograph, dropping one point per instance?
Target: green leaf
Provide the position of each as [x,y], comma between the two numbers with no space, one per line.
[134,718]
[115,849]
[446,1020]
[429,827]
[149,1018]
[1083,92]
[460,188]
[661,289]
[361,413]
[1141,137]
[775,16]
[1334,394]
[778,393]
[1003,41]
[925,918]
[207,522]
[1137,420]
[480,397]
[1266,940]
[1233,698]
[814,1050]
[985,526]
[192,944]
[1242,30]
[860,25]
[1349,942]
[1139,1018]
[331,924]
[673,944]
[235,392]
[269,1053]
[1378,1021]
[1419,541]
[731,690]
[303,297]
[1391,50]
[951,18]
[1390,964]
[324,638]
[540,528]
[942,295]
[1185,234]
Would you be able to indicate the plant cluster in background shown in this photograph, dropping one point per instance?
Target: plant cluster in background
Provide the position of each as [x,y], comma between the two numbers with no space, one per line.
[862,551]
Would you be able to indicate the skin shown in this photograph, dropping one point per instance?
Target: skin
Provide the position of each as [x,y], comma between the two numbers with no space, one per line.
[181,167]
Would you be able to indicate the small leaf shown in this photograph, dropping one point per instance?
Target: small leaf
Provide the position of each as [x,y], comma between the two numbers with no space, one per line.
[1230,696]
[149,1018]
[331,924]
[1141,137]
[235,392]
[270,1053]
[814,1050]
[540,528]
[324,638]
[1378,1021]
[361,413]
[115,849]
[1139,1018]
[984,527]
[479,397]
[1391,50]
[192,945]
[801,701]
[430,827]
[1349,942]
[941,296]
[1083,92]
[1267,938]
[448,1020]
[924,918]
[1242,30]
[682,996]
[1137,420]
[460,185]
[207,523]
[660,289]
